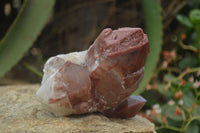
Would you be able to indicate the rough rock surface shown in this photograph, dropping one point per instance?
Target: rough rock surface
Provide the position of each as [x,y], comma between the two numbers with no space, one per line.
[21,112]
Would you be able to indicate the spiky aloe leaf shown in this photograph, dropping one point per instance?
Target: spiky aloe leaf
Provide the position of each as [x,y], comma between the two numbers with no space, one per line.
[152,11]
[23,32]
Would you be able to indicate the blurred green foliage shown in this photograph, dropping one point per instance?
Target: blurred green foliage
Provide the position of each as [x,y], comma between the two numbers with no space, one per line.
[193,21]
[23,32]
[152,11]
[177,82]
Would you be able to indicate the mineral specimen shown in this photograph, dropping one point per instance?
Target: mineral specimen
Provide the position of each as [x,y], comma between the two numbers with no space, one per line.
[100,79]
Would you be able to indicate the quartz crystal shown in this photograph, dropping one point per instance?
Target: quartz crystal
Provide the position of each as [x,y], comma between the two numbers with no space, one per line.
[100,79]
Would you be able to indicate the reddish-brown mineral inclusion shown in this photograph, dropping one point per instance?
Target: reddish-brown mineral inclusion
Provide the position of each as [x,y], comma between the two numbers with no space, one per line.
[110,72]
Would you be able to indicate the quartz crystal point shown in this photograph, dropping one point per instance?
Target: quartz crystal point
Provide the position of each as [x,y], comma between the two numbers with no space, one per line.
[100,79]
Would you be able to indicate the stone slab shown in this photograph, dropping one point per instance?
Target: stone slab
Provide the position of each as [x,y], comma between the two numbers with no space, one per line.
[21,112]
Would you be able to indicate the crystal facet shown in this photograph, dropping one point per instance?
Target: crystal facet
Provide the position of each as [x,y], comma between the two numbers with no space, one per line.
[100,79]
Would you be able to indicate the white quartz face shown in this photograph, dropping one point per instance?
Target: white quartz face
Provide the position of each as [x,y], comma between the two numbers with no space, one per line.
[100,79]
[47,92]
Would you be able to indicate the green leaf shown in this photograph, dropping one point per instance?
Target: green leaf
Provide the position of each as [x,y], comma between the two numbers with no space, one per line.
[196,112]
[195,16]
[188,86]
[168,93]
[188,61]
[164,130]
[175,84]
[193,128]
[184,21]
[152,11]
[23,32]
[188,100]
[168,77]
[151,101]
[170,112]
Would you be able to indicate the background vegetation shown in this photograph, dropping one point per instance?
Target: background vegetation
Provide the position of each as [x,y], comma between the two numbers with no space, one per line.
[31,31]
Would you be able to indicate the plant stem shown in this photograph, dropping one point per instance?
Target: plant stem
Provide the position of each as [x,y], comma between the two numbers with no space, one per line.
[197,95]
[188,47]
[192,70]
[178,129]
[170,127]
[169,69]
[189,121]
[197,29]
[33,69]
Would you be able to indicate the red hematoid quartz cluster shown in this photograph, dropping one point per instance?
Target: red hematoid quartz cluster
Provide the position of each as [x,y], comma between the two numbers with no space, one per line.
[102,78]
